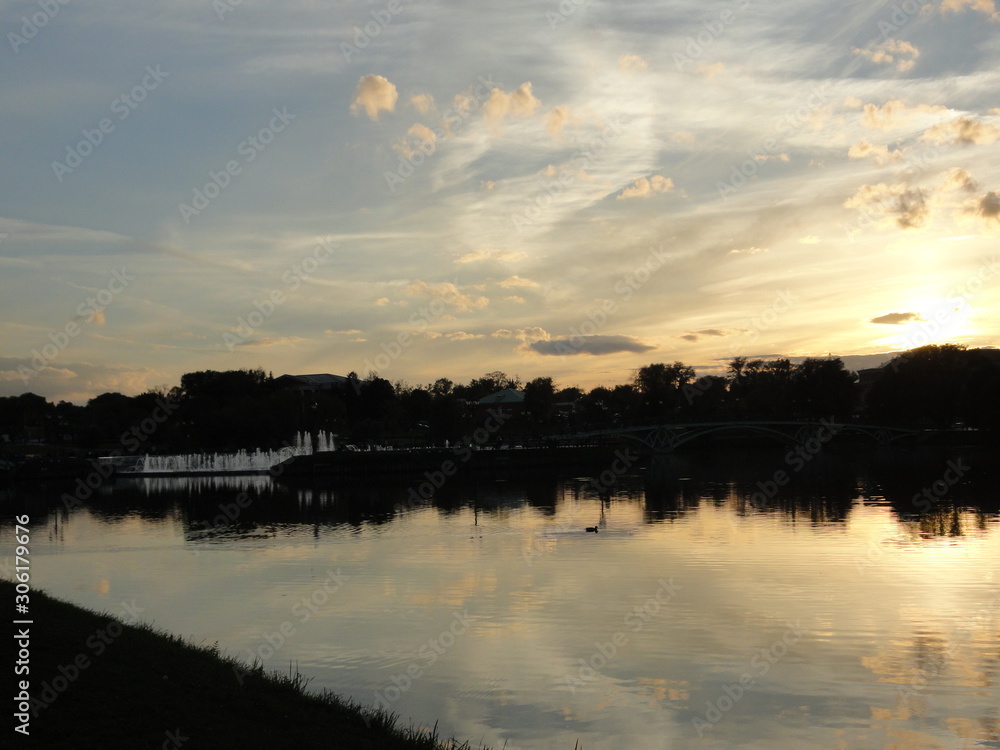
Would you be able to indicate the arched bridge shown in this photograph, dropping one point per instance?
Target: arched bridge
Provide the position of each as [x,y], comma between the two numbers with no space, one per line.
[667,437]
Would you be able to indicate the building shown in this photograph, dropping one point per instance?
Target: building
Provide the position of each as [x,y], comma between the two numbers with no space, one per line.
[304,384]
[507,403]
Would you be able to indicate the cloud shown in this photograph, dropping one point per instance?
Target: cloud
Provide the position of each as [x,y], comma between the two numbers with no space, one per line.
[487,184]
[95,316]
[900,52]
[896,318]
[382,301]
[374,94]
[515,299]
[463,336]
[514,282]
[423,103]
[894,113]
[704,332]
[596,345]
[448,293]
[809,239]
[986,206]
[518,103]
[748,251]
[908,205]
[960,179]
[502,256]
[267,342]
[983,6]
[647,186]
[963,131]
[631,64]
[711,70]
[556,120]
[418,138]
[881,155]
[348,332]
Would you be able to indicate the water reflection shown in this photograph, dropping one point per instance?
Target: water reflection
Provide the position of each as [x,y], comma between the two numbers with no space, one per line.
[830,614]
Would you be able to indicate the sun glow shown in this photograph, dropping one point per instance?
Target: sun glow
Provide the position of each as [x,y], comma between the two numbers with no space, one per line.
[934,321]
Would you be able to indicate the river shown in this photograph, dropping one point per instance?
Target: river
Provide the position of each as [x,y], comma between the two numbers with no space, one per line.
[851,602]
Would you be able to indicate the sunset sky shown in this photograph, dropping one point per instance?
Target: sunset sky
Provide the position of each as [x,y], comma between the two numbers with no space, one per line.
[437,188]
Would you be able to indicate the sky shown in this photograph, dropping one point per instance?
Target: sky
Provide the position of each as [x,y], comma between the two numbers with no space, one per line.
[427,188]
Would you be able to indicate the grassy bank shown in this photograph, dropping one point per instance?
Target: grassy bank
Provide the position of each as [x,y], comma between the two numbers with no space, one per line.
[98,683]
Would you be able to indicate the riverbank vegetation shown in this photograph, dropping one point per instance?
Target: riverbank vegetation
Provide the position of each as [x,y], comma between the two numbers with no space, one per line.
[98,682]
[930,387]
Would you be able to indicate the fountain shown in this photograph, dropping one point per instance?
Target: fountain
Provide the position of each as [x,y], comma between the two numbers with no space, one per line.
[241,462]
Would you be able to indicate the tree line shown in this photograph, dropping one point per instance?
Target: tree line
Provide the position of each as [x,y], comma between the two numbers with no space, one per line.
[936,386]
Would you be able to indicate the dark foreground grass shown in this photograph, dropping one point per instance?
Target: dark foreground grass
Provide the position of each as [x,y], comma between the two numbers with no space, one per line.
[147,689]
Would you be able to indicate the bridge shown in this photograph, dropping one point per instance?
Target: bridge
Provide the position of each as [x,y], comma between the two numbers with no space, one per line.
[664,438]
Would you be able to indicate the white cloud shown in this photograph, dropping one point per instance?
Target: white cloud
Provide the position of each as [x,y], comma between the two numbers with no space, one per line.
[897,52]
[423,103]
[881,155]
[631,64]
[556,120]
[418,138]
[987,7]
[449,293]
[963,131]
[374,94]
[711,70]
[518,103]
[644,187]
[514,282]
[895,113]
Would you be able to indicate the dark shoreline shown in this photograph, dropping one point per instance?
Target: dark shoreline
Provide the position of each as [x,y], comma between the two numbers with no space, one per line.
[97,681]
[487,460]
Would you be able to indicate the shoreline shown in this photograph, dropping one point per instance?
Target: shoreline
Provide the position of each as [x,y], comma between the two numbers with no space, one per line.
[98,680]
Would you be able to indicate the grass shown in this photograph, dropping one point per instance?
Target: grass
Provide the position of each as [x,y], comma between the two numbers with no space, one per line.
[144,688]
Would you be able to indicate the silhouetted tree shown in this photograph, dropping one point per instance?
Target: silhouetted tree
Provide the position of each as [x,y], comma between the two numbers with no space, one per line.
[823,387]
[660,387]
[540,402]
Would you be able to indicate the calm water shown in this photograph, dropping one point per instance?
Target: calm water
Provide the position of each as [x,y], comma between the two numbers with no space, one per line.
[834,615]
